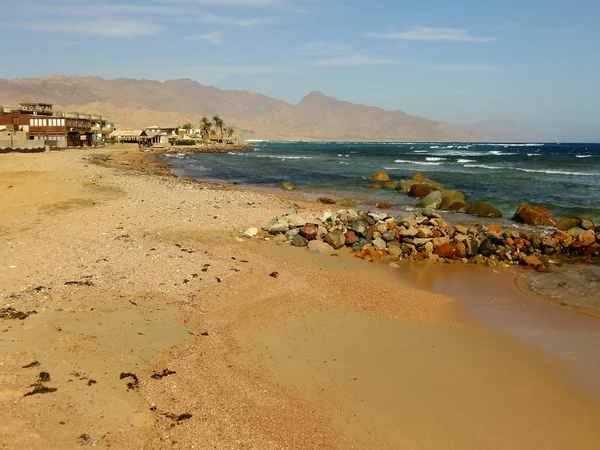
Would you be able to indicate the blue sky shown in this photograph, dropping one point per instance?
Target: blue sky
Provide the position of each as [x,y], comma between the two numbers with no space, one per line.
[534,61]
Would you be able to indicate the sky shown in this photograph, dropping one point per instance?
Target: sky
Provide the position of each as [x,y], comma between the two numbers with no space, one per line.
[536,62]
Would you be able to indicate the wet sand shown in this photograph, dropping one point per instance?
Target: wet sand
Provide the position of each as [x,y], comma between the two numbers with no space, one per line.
[331,352]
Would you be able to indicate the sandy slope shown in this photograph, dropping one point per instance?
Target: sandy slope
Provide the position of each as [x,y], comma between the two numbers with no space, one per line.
[330,353]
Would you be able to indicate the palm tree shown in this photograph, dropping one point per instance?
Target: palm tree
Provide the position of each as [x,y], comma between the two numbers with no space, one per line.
[219,123]
[205,127]
[229,132]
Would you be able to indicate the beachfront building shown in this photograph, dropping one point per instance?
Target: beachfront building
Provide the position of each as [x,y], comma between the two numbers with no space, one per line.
[56,128]
[129,136]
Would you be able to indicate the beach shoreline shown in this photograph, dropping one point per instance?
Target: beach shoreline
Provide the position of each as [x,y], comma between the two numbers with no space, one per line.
[270,347]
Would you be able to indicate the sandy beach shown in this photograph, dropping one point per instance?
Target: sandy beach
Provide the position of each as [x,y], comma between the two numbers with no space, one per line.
[133,276]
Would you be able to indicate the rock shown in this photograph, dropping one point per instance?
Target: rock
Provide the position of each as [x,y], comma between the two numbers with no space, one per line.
[421,190]
[421,241]
[422,179]
[392,185]
[319,247]
[429,213]
[310,231]
[383,205]
[388,236]
[461,229]
[482,209]
[534,215]
[428,247]
[296,220]
[494,228]
[299,241]
[336,239]
[251,232]
[410,232]
[287,186]
[424,233]
[487,249]
[461,250]
[458,207]
[380,176]
[587,237]
[291,234]
[395,252]
[322,232]
[439,241]
[326,200]
[450,197]
[532,261]
[587,224]
[372,186]
[347,203]
[351,237]
[361,227]
[279,227]
[279,239]
[379,244]
[359,245]
[431,200]
[404,185]
[446,251]
[567,223]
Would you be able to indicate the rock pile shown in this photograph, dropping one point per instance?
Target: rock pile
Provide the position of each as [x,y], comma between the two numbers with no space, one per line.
[425,235]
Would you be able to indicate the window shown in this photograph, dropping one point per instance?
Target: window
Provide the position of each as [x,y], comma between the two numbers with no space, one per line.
[44,122]
[62,122]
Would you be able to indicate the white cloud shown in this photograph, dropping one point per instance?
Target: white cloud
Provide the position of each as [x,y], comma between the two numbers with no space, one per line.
[470,68]
[249,22]
[355,60]
[102,27]
[215,37]
[432,35]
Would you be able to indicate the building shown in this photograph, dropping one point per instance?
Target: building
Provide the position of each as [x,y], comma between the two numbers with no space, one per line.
[56,128]
[129,136]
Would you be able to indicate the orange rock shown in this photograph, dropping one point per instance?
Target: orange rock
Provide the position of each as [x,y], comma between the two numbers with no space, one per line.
[380,176]
[494,228]
[589,238]
[439,241]
[372,186]
[532,261]
[421,190]
[534,215]
[351,237]
[391,226]
[361,255]
[447,251]
[383,205]
[461,250]
[374,254]
[309,231]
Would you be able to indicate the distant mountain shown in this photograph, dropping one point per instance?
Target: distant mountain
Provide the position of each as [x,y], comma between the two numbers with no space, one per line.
[504,131]
[142,103]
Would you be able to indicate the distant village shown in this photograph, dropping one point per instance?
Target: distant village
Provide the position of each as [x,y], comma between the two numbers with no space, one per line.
[38,127]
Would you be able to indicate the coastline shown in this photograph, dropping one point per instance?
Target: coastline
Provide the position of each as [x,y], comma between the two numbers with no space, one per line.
[260,365]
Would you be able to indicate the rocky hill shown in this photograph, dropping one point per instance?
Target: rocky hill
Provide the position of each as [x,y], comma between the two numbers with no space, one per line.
[141,103]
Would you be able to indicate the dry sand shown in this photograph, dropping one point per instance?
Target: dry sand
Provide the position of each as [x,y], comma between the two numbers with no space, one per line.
[135,272]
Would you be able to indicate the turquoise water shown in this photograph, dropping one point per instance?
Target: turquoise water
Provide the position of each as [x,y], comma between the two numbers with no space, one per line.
[565,178]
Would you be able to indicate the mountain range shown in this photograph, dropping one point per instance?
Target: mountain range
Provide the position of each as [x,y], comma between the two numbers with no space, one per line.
[143,103]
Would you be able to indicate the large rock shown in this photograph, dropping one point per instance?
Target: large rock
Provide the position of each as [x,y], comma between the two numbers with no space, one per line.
[326,200]
[446,251]
[458,207]
[431,200]
[379,244]
[296,220]
[336,239]
[287,186]
[450,197]
[310,231]
[421,190]
[372,186]
[422,179]
[351,237]
[380,176]
[534,215]
[483,209]
[299,241]
[280,226]
[360,227]
[319,247]
[390,185]
[404,185]
[347,203]
[487,249]
[568,222]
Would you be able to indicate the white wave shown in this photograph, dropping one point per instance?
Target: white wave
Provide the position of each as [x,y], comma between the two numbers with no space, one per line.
[464,146]
[499,153]
[284,157]
[419,163]
[583,156]
[449,146]
[433,158]
[534,154]
[549,172]
[462,161]
[344,162]
[255,140]
[421,151]
[434,146]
